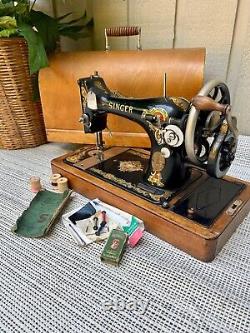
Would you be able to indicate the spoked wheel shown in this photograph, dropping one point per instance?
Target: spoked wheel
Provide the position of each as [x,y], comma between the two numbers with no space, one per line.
[219,163]
[219,93]
[209,141]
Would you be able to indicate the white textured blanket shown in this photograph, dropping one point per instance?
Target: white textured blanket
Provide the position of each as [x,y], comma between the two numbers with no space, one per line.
[52,285]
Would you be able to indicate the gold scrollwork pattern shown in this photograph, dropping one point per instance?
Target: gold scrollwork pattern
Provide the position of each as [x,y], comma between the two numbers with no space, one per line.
[157,133]
[155,179]
[124,183]
[79,155]
[158,112]
[182,102]
[139,153]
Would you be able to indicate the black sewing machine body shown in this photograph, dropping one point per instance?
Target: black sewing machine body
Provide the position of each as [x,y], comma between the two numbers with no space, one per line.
[165,119]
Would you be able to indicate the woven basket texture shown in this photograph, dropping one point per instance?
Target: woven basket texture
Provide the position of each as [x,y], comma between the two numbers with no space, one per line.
[21,120]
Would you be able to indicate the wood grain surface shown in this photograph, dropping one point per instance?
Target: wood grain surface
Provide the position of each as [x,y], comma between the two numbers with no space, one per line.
[201,242]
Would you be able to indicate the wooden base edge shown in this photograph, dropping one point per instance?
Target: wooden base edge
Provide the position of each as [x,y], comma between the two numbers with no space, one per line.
[202,248]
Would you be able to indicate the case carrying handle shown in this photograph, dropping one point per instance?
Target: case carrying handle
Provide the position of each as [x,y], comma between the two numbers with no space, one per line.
[123,32]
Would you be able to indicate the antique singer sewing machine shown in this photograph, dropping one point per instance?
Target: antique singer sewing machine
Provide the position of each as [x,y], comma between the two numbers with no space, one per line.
[176,187]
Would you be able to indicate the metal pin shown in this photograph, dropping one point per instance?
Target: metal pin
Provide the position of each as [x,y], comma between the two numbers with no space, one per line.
[95,227]
[165,85]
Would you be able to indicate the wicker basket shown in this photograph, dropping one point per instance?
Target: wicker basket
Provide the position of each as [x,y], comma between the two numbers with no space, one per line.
[21,120]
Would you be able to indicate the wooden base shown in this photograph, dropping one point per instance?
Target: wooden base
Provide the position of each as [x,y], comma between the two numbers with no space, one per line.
[193,238]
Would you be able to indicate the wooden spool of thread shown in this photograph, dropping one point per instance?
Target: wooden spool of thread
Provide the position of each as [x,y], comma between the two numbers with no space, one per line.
[62,184]
[54,179]
[35,184]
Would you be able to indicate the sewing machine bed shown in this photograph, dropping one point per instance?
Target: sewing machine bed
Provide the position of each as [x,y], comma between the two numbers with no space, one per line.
[125,169]
[219,204]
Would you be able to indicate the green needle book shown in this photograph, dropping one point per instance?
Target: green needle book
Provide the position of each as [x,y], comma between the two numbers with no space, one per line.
[40,215]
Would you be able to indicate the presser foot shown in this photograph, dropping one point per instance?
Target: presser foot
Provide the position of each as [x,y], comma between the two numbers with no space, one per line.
[100,154]
[100,146]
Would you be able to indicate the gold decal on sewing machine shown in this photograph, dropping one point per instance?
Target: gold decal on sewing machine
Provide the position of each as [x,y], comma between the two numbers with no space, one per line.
[126,184]
[157,163]
[182,102]
[80,155]
[130,166]
[158,112]
[139,153]
[155,179]
[121,107]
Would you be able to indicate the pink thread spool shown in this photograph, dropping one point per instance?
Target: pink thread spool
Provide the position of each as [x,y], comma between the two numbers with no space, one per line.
[35,184]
